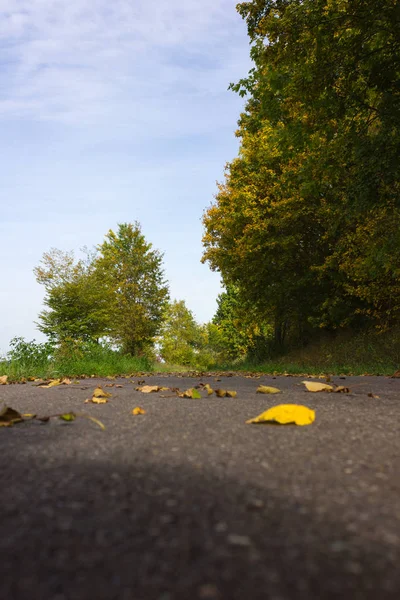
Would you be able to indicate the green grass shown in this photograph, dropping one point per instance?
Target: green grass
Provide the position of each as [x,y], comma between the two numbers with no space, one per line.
[99,362]
[346,353]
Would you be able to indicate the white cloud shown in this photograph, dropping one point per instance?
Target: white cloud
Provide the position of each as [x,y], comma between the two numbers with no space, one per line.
[85,60]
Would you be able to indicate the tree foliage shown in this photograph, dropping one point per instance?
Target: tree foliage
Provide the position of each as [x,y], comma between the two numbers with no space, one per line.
[118,292]
[180,336]
[306,224]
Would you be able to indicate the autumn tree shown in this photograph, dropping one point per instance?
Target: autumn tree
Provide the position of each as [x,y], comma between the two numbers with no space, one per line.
[306,223]
[133,277]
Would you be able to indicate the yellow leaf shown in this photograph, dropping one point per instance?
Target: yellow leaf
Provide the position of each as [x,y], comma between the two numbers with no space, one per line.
[3,380]
[220,393]
[99,393]
[231,394]
[66,381]
[342,389]
[138,411]
[286,414]
[147,389]
[208,389]
[52,384]
[265,389]
[98,400]
[313,386]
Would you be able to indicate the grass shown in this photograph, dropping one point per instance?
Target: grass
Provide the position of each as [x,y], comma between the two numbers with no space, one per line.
[344,354]
[98,361]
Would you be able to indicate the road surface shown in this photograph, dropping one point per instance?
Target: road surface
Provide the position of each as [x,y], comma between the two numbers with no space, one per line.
[189,502]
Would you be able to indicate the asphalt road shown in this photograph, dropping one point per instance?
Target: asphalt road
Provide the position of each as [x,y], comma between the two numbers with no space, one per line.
[189,502]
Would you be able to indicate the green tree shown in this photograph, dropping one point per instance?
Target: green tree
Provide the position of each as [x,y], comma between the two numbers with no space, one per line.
[76,300]
[132,275]
[307,221]
[180,337]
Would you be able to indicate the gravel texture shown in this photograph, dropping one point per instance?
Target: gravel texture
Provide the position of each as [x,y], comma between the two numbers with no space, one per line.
[189,502]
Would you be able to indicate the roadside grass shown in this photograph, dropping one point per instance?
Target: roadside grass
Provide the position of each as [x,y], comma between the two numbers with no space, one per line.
[99,362]
[364,353]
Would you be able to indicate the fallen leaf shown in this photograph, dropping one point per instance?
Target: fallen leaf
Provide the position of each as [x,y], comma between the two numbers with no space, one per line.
[68,416]
[208,389]
[99,393]
[3,379]
[66,381]
[286,414]
[9,416]
[97,400]
[396,374]
[231,394]
[138,411]
[109,385]
[266,389]
[341,389]
[53,383]
[220,393]
[371,395]
[191,393]
[119,385]
[313,386]
[147,389]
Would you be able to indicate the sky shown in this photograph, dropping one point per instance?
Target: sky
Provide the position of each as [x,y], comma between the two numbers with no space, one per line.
[113,112]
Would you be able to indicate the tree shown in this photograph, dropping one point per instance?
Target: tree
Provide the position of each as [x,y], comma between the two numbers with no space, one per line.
[77,303]
[132,274]
[180,336]
[307,221]
[117,292]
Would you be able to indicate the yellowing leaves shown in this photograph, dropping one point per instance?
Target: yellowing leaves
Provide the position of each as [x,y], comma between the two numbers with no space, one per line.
[99,396]
[266,389]
[313,386]
[286,414]
[138,410]
[148,389]
[191,393]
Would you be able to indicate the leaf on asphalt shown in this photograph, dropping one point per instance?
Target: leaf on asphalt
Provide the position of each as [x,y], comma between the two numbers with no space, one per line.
[148,389]
[313,386]
[286,414]
[208,389]
[138,411]
[68,416]
[191,393]
[52,383]
[99,393]
[220,393]
[118,385]
[371,395]
[231,394]
[266,389]
[3,379]
[66,381]
[341,389]
[9,416]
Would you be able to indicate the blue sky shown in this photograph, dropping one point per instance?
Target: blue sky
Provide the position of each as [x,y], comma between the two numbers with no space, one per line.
[113,112]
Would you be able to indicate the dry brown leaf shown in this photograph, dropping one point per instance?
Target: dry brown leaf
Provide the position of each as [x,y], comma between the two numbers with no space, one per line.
[138,411]
[118,385]
[3,379]
[371,395]
[341,389]
[313,386]
[66,381]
